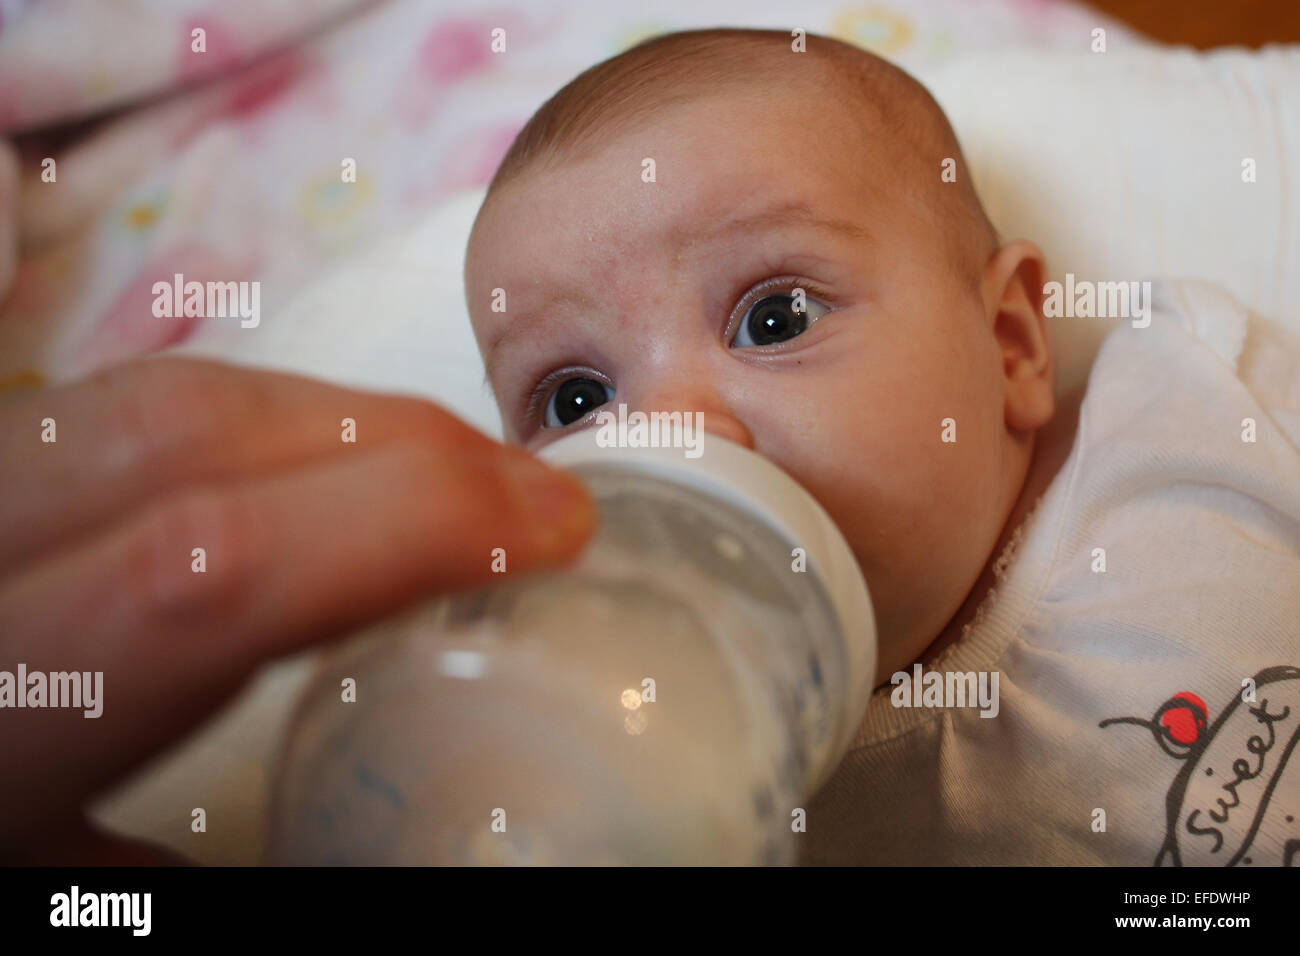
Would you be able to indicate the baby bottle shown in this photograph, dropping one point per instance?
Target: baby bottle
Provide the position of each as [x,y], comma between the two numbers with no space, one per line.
[672,697]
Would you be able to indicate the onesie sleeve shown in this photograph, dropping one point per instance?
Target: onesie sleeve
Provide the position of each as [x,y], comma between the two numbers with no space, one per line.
[1264,353]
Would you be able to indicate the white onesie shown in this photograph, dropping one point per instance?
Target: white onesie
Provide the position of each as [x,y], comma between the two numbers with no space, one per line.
[1127,731]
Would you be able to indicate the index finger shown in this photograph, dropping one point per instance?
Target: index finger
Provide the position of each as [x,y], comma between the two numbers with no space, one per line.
[131,434]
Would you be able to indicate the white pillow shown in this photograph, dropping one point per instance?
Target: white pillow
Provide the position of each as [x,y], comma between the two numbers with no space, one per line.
[1128,165]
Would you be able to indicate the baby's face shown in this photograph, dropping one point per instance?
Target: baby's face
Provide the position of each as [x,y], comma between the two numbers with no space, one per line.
[649,291]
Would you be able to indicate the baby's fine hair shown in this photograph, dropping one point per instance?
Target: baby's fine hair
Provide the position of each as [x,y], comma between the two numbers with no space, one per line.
[674,68]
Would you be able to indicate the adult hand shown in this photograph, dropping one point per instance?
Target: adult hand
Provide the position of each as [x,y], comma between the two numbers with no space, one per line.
[304,536]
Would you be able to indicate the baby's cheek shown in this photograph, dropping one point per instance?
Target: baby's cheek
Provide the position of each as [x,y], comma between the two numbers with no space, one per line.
[935,457]
[962,454]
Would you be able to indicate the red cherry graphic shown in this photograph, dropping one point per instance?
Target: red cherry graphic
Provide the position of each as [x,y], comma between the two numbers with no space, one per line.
[1184,721]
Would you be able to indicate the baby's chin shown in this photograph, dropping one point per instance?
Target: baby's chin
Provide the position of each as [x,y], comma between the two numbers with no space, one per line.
[924,595]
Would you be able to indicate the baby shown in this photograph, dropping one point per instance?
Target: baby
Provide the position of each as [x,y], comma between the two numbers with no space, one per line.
[656,227]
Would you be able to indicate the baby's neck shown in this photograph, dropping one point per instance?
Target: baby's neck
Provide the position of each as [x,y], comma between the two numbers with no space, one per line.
[1051,448]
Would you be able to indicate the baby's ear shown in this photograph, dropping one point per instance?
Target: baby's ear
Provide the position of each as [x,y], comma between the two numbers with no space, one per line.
[1013,302]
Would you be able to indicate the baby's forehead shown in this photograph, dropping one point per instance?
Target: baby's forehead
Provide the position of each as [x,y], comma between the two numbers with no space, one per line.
[749,118]
[818,126]
[694,170]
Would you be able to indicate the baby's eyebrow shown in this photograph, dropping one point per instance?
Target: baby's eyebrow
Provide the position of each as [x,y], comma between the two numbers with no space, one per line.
[683,238]
[784,214]
[541,312]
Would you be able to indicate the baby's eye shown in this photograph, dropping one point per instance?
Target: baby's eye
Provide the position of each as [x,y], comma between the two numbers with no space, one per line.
[773,319]
[574,399]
